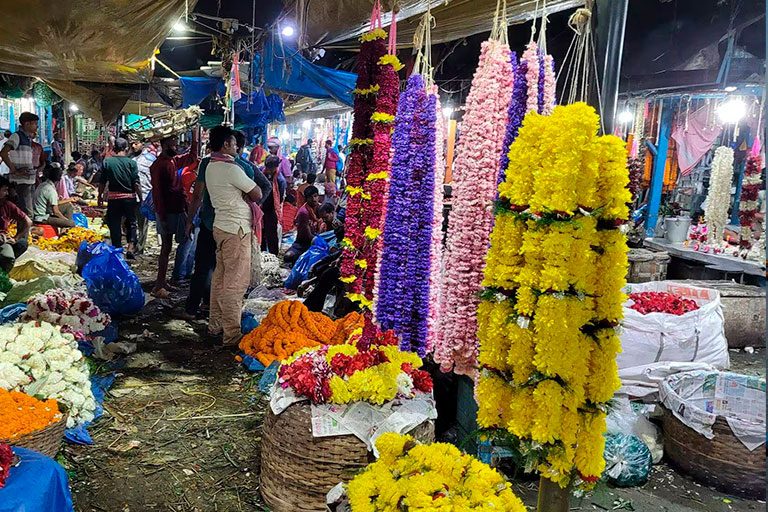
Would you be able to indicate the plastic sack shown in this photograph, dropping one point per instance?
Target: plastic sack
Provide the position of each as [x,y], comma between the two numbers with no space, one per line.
[33,253]
[300,271]
[80,220]
[147,208]
[87,251]
[248,323]
[660,338]
[624,417]
[23,291]
[627,460]
[112,285]
[10,313]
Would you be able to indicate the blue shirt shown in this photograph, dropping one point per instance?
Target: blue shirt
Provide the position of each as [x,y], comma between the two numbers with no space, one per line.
[207,212]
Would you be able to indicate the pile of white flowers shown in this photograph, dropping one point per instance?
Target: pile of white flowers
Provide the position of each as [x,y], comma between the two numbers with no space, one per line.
[40,360]
[74,311]
[271,276]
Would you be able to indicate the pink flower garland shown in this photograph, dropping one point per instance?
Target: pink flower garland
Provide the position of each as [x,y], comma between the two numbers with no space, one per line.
[471,218]
[531,57]
[436,252]
[549,85]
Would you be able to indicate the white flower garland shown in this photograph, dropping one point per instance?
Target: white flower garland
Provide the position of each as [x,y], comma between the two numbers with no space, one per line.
[73,311]
[719,195]
[39,360]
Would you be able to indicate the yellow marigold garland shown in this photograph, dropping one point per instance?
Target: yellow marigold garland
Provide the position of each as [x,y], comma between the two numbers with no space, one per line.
[553,278]
[69,241]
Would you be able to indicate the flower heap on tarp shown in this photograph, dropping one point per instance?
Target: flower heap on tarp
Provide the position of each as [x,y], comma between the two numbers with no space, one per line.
[375,106]
[413,476]
[375,372]
[405,275]
[661,302]
[23,414]
[474,189]
[289,327]
[69,241]
[38,359]
[73,311]
[553,296]
[719,195]
[750,187]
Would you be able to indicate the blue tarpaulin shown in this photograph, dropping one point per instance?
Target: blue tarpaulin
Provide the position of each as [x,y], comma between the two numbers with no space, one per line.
[258,110]
[195,89]
[38,484]
[285,70]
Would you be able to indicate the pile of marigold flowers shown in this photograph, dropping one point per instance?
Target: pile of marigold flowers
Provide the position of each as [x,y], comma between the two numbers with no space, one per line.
[21,414]
[69,241]
[289,327]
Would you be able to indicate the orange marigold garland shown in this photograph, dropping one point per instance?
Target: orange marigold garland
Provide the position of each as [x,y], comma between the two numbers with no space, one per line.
[21,414]
[289,327]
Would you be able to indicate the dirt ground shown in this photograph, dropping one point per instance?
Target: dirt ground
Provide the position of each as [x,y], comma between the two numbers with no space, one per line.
[182,430]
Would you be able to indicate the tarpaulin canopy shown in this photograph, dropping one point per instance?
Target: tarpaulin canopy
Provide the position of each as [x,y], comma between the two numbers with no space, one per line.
[106,41]
[255,110]
[195,89]
[340,22]
[285,70]
[101,102]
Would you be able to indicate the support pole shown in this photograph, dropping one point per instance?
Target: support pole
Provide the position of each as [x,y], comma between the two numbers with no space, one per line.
[611,25]
[552,498]
[659,163]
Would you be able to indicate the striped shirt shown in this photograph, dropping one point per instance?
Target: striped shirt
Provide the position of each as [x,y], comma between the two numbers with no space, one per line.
[22,157]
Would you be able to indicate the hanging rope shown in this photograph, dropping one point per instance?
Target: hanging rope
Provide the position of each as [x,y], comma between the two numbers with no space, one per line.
[422,42]
[499,31]
[543,32]
[533,23]
[376,15]
[579,70]
[392,47]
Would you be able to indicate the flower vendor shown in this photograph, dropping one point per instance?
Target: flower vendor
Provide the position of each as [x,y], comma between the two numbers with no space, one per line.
[307,223]
[46,209]
[11,247]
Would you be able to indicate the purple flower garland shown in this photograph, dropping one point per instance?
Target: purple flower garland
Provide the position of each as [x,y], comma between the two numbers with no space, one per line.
[516,111]
[542,72]
[403,298]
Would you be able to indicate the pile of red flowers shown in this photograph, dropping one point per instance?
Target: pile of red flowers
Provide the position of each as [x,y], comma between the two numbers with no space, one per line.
[6,457]
[358,371]
[662,302]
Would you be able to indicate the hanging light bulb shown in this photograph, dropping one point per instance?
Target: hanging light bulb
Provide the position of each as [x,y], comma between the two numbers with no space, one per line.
[179,27]
[73,107]
[625,117]
[288,31]
[732,111]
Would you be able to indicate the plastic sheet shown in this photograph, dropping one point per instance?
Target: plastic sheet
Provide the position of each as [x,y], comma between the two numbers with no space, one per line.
[108,42]
[248,323]
[22,292]
[300,271]
[147,208]
[626,418]
[80,220]
[111,283]
[33,268]
[38,484]
[627,460]
[10,313]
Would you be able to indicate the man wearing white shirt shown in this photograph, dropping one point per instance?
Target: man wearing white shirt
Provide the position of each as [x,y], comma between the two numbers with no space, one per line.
[144,158]
[229,189]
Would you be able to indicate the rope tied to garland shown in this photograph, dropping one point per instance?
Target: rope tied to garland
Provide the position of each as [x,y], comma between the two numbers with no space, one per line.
[499,31]
[422,42]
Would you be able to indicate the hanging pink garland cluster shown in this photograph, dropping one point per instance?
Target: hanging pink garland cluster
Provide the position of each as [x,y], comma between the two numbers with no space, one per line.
[436,252]
[471,218]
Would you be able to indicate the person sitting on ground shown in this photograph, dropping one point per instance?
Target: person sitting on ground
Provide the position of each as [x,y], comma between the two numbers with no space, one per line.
[75,183]
[307,225]
[300,190]
[46,202]
[11,247]
[327,214]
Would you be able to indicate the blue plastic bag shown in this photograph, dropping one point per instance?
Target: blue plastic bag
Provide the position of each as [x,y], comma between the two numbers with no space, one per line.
[111,283]
[86,252]
[80,220]
[300,271]
[147,208]
[627,460]
[10,313]
[248,323]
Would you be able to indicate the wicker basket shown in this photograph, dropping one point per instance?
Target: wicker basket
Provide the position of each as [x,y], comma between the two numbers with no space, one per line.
[722,462]
[297,469]
[46,441]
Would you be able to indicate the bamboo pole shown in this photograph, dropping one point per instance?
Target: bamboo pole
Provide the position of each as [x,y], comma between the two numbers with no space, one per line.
[552,498]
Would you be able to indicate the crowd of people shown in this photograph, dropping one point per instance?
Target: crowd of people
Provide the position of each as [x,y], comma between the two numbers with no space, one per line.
[219,211]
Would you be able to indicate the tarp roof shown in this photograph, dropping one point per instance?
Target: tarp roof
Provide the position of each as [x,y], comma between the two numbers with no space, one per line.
[338,23]
[109,41]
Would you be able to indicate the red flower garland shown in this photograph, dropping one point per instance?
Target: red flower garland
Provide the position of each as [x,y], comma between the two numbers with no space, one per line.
[6,457]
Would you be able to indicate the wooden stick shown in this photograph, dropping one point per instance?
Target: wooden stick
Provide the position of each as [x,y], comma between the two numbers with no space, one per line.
[553,498]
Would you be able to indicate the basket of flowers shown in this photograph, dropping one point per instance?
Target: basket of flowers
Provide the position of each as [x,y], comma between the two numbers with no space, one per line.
[326,410]
[31,423]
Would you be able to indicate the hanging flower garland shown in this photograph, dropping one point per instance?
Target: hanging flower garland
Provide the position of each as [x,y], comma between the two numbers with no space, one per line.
[719,195]
[553,278]
[469,225]
[436,252]
[750,188]
[403,300]
[369,168]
